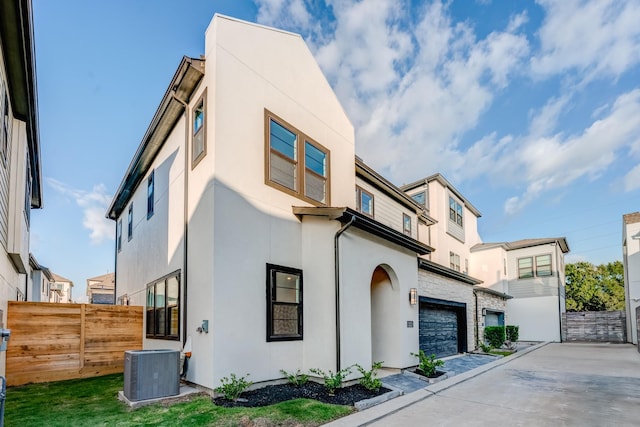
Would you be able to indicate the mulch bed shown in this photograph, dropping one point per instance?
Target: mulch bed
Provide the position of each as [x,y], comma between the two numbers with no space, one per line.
[436,375]
[272,394]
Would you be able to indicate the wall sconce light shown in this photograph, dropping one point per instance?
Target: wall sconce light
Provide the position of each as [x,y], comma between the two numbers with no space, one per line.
[413,296]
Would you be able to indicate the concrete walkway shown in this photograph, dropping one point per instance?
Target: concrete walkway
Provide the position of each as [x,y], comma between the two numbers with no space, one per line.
[545,385]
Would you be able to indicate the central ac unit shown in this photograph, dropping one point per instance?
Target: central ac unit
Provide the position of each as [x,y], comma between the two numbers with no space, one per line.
[151,374]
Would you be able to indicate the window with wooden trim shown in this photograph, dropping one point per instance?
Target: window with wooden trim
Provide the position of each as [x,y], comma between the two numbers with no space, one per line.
[364,201]
[150,194]
[199,131]
[163,308]
[295,163]
[406,224]
[538,266]
[284,303]
[455,212]
[454,261]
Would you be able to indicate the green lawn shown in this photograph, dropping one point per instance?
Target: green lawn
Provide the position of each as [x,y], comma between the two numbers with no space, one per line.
[94,402]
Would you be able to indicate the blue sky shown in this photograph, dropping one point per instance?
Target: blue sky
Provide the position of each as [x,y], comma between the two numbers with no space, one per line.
[531,109]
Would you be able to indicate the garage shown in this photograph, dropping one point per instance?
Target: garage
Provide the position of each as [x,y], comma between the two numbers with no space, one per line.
[442,327]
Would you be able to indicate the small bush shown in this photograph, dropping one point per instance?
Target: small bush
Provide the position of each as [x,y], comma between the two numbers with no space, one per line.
[369,380]
[494,335]
[427,364]
[297,378]
[513,333]
[332,381]
[485,347]
[233,387]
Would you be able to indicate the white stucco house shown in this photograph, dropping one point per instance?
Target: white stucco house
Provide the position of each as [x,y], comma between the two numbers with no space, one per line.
[20,170]
[631,263]
[40,279]
[238,225]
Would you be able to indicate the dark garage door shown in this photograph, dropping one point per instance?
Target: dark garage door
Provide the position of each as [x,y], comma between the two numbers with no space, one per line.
[442,328]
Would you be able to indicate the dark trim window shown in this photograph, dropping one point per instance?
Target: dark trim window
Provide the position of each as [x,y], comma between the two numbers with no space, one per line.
[130,222]
[364,201]
[4,126]
[119,235]
[27,191]
[406,224]
[284,303]
[454,261]
[150,191]
[295,163]
[540,265]
[455,211]
[199,131]
[163,308]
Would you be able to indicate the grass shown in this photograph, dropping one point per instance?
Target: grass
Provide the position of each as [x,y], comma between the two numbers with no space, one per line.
[94,402]
[501,352]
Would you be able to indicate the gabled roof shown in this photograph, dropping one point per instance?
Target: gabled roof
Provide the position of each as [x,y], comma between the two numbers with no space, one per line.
[374,178]
[106,281]
[58,278]
[524,243]
[37,266]
[446,184]
[631,218]
[185,80]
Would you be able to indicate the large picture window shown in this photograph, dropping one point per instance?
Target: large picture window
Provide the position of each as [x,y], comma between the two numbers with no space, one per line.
[163,308]
[295,163]
[284,303]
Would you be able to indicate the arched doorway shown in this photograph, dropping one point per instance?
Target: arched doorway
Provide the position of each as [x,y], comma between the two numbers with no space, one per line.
[383,311]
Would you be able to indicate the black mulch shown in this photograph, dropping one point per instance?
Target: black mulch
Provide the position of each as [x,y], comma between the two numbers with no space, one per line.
[279,393]
[436,375]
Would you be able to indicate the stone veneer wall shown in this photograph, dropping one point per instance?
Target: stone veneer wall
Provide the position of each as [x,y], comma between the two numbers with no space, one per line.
[490,302]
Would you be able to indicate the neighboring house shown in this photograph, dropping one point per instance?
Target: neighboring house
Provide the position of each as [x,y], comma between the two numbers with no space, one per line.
[532,272]
[60,289]
[101,289]
[20,170]
[237,222]
[40,280]
[631,263]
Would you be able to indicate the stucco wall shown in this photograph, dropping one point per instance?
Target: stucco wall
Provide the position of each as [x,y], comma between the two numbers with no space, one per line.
[538,318]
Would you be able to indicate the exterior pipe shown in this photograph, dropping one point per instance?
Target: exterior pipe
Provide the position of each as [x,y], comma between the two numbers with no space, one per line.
[475,294]
[336,248]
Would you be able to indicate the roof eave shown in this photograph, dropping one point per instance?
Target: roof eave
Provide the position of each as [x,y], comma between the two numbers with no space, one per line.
[447,272]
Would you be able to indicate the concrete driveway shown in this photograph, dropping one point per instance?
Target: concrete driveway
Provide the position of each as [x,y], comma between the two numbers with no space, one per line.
[554,385]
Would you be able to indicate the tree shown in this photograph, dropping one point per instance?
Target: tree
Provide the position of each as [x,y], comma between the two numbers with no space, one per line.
[594,288]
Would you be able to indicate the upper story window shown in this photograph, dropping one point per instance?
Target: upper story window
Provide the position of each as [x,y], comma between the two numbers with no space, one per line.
[455,211]
[130,222]
[284,303]
[150,191]
[364,201]
[119,235]
[4,126]
[538,266]
[295,163]
[199,129]
[454,261]
[406,224]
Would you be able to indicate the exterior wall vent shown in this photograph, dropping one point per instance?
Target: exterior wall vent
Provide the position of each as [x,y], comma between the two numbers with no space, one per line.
[151,374]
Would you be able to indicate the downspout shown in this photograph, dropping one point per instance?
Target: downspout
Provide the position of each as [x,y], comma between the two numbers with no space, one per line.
[336,248]
[475,295]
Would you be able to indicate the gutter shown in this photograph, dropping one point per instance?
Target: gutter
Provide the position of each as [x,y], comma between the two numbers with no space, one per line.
[336,248]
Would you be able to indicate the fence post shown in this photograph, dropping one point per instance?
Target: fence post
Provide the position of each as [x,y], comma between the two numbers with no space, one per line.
[82,334]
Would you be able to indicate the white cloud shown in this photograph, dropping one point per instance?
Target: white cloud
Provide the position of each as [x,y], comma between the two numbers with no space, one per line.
[632,179]
[595,38]
[94,204]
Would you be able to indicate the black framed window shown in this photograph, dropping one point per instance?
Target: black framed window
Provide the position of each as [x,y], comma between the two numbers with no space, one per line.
[199,131]
[163,308]
[150,191]
[284,303]
[119,235]
[130,222]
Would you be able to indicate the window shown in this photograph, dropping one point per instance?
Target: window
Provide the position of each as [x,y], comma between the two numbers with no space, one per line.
[150,189]
[163,308]
[455,211]
[130,222]
[406,224]
[4,126]
[119,235]
[421,198]
[504,265]
[525,268]
[295,163]
[199,136]
[364,201]
[454,261]
[543,265]
[284,303]
[27,192]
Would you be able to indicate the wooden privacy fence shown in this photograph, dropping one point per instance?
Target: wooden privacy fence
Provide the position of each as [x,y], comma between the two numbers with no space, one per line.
[597,326]
[53,342]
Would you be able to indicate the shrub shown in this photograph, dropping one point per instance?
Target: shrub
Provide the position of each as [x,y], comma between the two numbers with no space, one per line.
[332,381]
[369,380]
[427,364]
[233,387]
[485,347]
[494,335]
[297,378]
[513,333]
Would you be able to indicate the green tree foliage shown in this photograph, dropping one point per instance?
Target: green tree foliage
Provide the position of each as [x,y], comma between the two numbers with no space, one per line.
[594,288]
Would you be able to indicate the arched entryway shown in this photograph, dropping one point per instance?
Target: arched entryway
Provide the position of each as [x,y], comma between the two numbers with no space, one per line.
[384,339]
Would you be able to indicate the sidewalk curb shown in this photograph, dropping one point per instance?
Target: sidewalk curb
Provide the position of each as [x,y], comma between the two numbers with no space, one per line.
[392,406]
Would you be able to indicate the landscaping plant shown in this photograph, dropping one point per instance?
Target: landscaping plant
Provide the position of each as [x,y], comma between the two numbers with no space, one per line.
[369,379]
[513,333]
[233,387]
[297,378]
[495,336]
[485,347]
[332,381]
[427,364]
